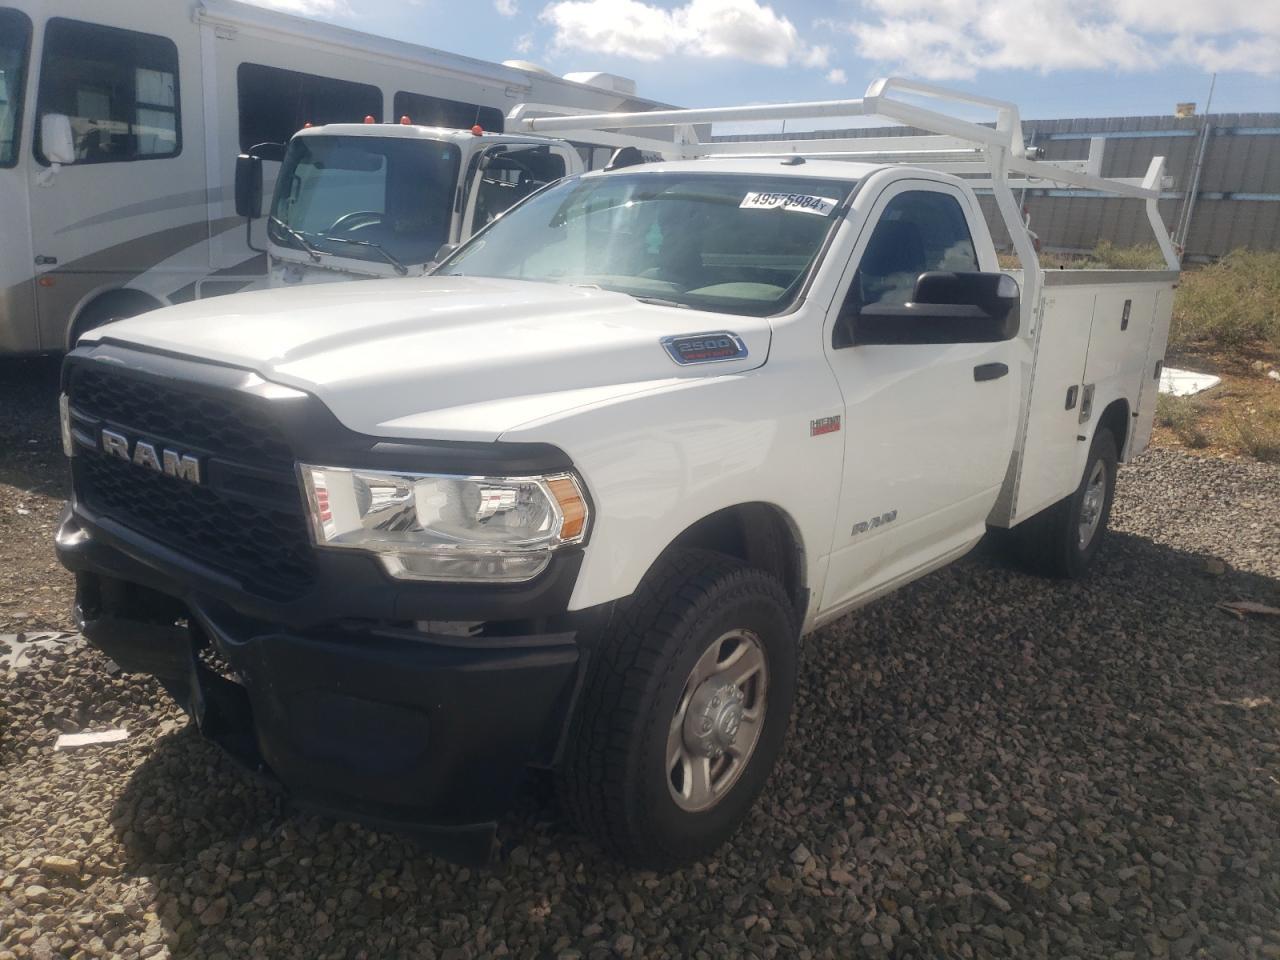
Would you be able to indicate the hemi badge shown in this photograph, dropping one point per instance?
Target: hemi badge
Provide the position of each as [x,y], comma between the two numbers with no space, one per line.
[705,347]
[824,425]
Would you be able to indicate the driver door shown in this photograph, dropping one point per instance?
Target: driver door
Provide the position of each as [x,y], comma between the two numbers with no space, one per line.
[928,426]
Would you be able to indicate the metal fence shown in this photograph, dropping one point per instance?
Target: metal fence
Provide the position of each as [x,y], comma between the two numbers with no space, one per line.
[1236,205]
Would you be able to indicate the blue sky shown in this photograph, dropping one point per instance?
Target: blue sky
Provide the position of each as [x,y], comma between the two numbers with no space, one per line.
[1055,58]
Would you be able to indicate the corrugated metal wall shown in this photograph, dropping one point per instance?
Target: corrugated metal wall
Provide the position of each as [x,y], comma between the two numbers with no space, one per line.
[1239,196]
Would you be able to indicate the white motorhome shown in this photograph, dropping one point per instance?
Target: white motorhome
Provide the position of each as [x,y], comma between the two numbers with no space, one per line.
[120,122]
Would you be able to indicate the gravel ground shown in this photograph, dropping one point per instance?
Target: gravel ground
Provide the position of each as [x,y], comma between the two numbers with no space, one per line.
[35,592]
[982,765]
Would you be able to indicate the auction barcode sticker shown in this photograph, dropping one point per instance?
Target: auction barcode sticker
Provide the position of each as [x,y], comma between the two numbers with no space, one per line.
[788,201]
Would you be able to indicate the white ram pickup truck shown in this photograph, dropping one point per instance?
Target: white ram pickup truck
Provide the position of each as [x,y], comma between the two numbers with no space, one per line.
[572,501]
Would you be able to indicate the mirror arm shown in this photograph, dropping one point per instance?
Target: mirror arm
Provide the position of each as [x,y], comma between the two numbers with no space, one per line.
[248,236]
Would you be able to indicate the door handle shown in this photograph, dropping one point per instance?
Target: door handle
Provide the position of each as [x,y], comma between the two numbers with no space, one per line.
[989,371]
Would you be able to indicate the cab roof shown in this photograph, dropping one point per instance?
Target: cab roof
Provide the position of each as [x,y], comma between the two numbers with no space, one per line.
[415,131]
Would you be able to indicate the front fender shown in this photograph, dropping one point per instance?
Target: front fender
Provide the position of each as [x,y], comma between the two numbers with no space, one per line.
[656,463]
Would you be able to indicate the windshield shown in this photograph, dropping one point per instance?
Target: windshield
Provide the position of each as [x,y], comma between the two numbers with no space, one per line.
[732,243]
[15,37]
[355,196]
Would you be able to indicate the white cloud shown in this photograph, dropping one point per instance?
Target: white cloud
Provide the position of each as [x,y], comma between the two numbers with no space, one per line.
[729,29]
[524,43]
[508,8]
[308,8]
[837,76]
[816,56]
[948,39]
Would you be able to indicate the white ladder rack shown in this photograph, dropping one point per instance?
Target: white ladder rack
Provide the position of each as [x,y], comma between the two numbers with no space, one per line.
[988,157]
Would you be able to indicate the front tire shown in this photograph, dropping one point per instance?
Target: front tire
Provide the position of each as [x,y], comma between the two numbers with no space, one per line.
[684,711]
[1063,540]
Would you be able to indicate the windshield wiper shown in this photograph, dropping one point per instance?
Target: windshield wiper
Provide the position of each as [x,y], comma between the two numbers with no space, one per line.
[299,236]
[659,302]
[386,254]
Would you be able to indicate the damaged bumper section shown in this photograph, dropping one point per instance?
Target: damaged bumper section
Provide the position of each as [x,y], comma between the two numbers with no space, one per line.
[388,722]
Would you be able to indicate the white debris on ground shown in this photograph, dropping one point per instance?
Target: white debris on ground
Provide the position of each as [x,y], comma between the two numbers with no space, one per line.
[1186,383]
[16,648]
[69,741]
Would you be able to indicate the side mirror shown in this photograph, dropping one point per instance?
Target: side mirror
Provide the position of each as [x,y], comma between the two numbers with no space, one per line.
[57,142]
[944,308]
[248,186]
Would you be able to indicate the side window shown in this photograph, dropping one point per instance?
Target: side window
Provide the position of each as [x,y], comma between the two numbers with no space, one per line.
[275,104]
[118,87]
[593,157]
[15,42]
[439,112]
[511,175]
[919,231]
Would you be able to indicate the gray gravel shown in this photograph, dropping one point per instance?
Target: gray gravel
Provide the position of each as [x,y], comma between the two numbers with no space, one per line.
[982,765]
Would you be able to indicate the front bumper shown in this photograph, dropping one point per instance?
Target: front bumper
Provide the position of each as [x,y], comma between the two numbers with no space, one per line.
[365,719]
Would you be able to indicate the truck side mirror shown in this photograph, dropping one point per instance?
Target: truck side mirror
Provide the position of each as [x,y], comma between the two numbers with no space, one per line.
[995,294]
[57,142]
[248,186]
[944,308]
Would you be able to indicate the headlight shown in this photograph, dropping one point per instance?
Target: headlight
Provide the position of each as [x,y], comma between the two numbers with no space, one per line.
[433,527]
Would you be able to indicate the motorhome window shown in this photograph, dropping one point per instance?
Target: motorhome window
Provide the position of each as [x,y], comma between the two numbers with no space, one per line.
[730,243]
[275,104]
[15,42]
[919,231]
[397,193]
[118,87]
[439,112]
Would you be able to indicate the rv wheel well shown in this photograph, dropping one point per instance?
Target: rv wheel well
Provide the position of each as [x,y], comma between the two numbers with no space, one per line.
[108,306]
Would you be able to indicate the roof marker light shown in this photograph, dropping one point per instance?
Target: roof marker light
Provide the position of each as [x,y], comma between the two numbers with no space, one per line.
[405,120]
[477,130]
[307,125]
[369,119]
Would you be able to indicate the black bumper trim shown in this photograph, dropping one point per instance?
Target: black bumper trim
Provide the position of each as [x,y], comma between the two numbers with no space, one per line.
[431,735]
[428,739]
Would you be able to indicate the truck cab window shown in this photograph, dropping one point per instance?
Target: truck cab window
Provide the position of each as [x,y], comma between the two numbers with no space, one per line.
[275,104]
[919,231]
[354,196]
[15,42]
[728,243]
[511,175]
[439,112]
[118,87]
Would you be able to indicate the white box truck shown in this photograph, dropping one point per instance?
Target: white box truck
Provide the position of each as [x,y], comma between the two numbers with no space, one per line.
[360,200]
[572,500]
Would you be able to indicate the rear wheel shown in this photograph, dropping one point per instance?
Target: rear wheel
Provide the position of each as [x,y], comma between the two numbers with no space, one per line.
[1063,540]
[684,711]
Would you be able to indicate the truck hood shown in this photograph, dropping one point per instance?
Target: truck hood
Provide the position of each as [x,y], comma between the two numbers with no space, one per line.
[464,358]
